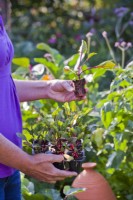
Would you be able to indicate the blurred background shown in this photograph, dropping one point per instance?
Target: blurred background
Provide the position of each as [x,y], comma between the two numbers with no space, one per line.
[64,23]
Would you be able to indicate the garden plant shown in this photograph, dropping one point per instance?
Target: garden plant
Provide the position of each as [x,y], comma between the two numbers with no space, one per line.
[60,133]
[108,122]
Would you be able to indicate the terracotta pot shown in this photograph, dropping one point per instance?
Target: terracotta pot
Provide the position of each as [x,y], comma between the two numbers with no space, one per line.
[97,188]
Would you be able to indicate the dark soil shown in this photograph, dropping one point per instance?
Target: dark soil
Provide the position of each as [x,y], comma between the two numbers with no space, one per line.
[80,87]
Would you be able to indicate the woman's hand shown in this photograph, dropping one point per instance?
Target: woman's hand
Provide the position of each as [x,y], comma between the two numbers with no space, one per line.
[62,91]
[41,167]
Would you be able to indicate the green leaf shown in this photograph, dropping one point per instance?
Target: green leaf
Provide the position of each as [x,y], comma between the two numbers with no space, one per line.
[73,106]
[71,191]
[55,112]
[110,170]
[98,73]
[91,55]
[21,71]
[59,123]
[97,136]
[27,186]
[115,159]
[106,118]
[67,108]
[72,60]
[107,65]
[86,111]
[38,197]
[23,62]
[122,146]
[124,83]
[58,58]
[52,67]
[107,114]
[52,194]
[37,104]
[44,46]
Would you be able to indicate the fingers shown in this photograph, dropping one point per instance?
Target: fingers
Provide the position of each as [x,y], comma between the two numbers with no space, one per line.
[71,97]
[54,172]
[54,158]
[68,85]
[53,175]
[65,174]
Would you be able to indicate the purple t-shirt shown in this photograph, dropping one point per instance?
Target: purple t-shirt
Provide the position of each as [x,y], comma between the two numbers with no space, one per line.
[10,114]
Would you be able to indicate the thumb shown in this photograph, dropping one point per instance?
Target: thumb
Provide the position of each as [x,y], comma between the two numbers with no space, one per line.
[68,85]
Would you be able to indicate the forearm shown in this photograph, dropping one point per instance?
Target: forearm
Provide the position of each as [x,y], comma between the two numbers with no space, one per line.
[39,166]
[58,90]
[32,90]
[13,156]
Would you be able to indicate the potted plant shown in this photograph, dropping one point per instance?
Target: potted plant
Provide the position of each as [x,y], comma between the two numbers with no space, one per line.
[80,68]
[60,133]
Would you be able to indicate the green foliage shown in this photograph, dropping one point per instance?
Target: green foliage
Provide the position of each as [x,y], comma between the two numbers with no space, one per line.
[104,123]
[69,191]
[116,115]
[64,122]
[52,67]
[36,192]
[24,62]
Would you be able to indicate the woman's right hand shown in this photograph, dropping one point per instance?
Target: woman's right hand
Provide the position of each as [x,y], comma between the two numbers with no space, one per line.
[41,167]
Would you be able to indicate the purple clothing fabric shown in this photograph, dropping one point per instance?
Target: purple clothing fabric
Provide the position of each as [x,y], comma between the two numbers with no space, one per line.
[10,114]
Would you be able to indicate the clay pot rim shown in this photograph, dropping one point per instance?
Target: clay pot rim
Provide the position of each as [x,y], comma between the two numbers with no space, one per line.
[88,165]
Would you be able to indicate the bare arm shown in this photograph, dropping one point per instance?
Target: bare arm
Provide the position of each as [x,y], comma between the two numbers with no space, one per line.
[38,166]
[31,90]
[59,90]
[13,156]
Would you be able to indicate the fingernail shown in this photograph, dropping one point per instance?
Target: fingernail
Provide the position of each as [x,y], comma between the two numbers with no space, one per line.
[70,89]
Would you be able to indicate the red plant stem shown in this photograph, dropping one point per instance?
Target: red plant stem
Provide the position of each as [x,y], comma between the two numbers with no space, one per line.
[89,68]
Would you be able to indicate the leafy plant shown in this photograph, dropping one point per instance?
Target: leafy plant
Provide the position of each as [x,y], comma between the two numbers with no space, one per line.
[62,132]
[70,191]
[83,57]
